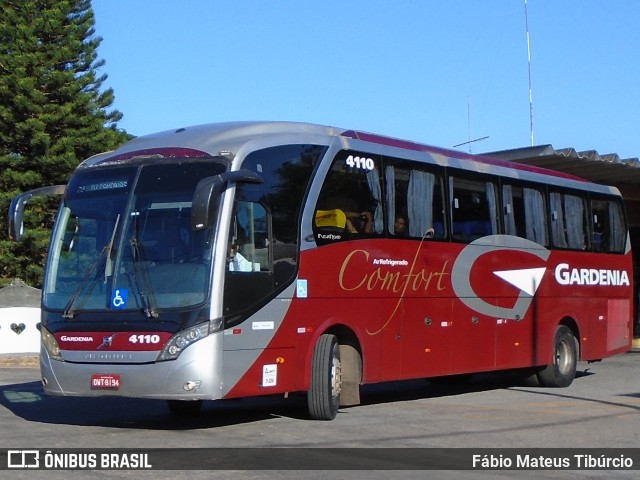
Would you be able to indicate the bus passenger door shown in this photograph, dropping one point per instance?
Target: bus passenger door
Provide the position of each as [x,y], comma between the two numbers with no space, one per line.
[249,272]
[254,315]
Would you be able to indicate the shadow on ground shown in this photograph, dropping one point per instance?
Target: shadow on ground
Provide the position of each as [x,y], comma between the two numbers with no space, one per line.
[28,401]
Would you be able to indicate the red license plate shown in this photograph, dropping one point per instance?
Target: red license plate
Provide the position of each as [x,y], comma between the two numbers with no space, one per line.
[105,381]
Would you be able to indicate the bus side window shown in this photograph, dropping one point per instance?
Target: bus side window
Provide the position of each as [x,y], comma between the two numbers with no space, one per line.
[608,233]
[473,209]
[414,201]
[524,213]
[350,201]
[568,223]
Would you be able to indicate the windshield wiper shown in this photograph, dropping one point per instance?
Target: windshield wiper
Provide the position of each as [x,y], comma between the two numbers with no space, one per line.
[105,255]
[108,269]
[91,274]
[140,271]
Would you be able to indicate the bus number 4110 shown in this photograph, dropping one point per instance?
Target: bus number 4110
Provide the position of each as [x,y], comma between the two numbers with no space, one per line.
[144,339]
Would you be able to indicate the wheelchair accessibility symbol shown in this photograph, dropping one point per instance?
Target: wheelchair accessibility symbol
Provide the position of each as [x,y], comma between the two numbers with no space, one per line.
[301,288]
[119,298]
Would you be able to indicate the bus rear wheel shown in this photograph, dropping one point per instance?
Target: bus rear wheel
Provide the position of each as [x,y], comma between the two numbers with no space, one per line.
[565,358]
[323,397]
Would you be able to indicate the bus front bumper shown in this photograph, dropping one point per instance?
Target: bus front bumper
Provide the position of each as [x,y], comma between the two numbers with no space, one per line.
[194,375]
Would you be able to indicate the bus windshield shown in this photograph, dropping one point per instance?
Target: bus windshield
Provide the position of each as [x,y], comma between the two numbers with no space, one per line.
[123,241]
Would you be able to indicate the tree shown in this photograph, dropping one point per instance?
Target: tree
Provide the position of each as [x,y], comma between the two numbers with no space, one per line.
[53,115]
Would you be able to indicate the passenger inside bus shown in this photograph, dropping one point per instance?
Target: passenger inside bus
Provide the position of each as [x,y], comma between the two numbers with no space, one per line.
[400,226]
[359,223]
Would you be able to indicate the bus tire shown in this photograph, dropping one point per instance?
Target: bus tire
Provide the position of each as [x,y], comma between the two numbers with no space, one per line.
[323,397]
[565,358]
[184,408]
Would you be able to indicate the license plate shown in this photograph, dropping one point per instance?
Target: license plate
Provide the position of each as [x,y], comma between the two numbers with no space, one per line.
[105,381]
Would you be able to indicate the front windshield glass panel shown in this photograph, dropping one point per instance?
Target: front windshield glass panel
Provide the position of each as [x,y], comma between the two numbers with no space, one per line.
[123,241]
[87,222]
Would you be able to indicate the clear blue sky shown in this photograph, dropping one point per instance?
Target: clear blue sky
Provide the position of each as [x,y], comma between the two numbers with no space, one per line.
[432,71]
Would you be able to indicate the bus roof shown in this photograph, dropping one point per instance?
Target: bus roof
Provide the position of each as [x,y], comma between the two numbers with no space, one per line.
[418,147]
[210,139]
[223,138]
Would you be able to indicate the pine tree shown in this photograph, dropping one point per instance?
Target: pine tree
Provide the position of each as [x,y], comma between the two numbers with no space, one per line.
[53,114]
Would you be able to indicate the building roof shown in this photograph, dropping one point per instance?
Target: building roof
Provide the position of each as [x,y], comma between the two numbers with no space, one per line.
[608,169]
[19,294]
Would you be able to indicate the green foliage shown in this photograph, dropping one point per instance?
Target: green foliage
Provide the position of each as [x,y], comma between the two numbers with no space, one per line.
[53,115]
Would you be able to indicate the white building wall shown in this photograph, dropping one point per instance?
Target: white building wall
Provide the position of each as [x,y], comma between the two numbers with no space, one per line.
[18,332]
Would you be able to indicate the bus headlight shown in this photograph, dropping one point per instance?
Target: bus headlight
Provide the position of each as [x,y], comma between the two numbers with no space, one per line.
[50,344]
[181,340]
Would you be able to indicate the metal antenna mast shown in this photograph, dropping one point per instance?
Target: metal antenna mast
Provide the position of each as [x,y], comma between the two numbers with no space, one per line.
[526,19]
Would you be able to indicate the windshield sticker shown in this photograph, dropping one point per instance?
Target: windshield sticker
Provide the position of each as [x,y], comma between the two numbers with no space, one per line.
[119,298]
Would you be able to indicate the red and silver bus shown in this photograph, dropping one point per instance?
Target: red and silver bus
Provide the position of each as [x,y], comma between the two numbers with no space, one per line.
[260,258]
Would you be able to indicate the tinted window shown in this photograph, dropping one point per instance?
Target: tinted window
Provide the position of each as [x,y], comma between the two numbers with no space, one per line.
[608,232]
[473,208]
[414,200]
[568,221]
[350,201]
[524,213]
[265,226]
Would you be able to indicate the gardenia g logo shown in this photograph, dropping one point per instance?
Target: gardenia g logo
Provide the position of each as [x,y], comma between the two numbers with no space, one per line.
[527,279]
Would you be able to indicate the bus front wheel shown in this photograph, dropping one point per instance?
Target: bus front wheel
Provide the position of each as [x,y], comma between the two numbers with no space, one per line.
[323,397]
[565,358]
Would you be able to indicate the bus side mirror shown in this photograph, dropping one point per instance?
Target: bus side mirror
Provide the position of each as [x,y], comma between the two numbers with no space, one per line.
[16,209]
[206,196]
